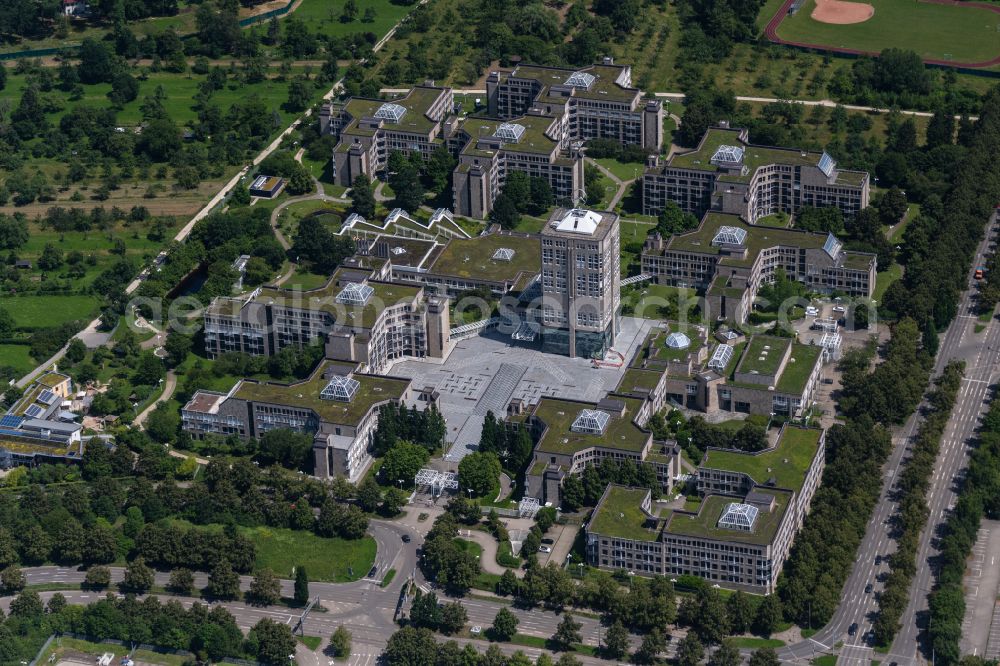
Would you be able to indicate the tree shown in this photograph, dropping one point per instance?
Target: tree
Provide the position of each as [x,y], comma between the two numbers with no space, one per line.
[568,632]
[369,495]
[124,89]
[12,579]
[148,369]
[223,582]
[727,654]
[301,586]
[616,641]
[76,351]
[893,206]
[517,187]
[402,462]
[349,12]
[160,140]
[97,64]
[505,212]
[97,578]
[315,243]
[51,258]
[265,588]
[300,182]
[181,582]
[411,646]
[764,657]
[162,423]
[439,169]
[479,472]
[674,220]
[453,618]
[740,612]
[393,500]
[542,197]
[27,606]
[178,346]
[690,651]
[769,615]
[138,577]
[425,611]
[653,643]
[504,625]
[406,184]
[340,642]
[272,642]
[363,197]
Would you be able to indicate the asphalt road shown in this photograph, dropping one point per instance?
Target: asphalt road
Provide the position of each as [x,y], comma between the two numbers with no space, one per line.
[981,352]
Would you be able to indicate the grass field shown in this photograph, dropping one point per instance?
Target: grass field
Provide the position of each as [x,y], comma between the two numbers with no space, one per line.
[940,32]
[621,170]
[66,646]
[884,278]
[329,560]
[17,357]
[323,16]
[46,311]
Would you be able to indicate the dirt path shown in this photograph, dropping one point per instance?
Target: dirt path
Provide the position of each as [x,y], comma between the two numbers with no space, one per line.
[169,384]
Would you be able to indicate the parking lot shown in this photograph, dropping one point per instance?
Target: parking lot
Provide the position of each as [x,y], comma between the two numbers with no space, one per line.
[981,625]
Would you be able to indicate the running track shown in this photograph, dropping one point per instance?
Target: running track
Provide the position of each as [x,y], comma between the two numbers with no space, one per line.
[771,31]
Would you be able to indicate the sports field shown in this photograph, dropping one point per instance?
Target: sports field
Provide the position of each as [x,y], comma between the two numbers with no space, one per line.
[961,34]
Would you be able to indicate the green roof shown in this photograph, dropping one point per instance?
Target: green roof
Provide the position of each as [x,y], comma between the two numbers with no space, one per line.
[657,354]
[52,379]
[473,257]
[639,379]
[558,416]
[372,391]
[603,87]
[859,261]
[795,375]
[417,103]
[534,139]
[754,157]
[324,299]
[620,515]
[758,238]
[704,524]
[796,445]
[755,351]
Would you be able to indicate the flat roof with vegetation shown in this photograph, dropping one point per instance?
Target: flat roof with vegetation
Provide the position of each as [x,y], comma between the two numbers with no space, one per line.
[603,87]
[753,156]
[558,415]
[305,395]
[657,354]
[763,355]
[473,257]
[796,374]
[417,103]
[787,462]
[705,524]
[534,139]
[620,515]
[324,299]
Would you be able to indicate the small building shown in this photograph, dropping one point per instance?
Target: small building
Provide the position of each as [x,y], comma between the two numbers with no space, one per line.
[266,186]
[75,8]
[23,264]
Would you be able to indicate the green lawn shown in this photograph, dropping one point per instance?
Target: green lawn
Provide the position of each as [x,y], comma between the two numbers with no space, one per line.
[621,170]
[634,231]
[754,643]
[46,311]
[66,646]
[884,279]
[305,280]
[330,560]
[323,16]
[17,357]
[470,547]
[935,31]
[912,212]
[825,660]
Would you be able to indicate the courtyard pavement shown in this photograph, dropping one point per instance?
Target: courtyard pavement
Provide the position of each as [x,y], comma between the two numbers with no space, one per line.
[485,373]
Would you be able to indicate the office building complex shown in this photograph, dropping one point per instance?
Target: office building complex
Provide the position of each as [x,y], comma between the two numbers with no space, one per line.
[337,404]
[356,318]
[596,102]
[38,427]
[369,129]
[726,173]
[729,260]
[581,283]
[752,505]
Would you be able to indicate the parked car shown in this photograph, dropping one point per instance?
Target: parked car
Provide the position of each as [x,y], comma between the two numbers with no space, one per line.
[878,560]
[839,308]
[548,541]
[868,588]
[476,630]
[811,311]
[544,549]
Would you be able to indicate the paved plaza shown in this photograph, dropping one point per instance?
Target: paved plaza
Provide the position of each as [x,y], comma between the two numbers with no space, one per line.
[485,373]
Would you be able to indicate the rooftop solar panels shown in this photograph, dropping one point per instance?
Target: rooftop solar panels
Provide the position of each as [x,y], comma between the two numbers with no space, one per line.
[391,112]
[581,80]
[11,421]
[591,422]
[727,235]
[340,388]
[725,155]
[509,132]
[503,254]
[355,293]
[720,358]
[832,246]
[48,397]
[827,164]
[739,517]
[33,411]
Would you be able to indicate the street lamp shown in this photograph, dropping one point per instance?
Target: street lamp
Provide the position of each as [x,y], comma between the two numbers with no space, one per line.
[469,490]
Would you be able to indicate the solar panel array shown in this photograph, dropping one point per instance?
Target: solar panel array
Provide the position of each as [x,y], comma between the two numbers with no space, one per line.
[47,396]
[33,411]
[11,421]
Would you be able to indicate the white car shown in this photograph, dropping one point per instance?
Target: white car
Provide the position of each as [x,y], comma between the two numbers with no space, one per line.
[811,311]
[476,630]
[839,308]
[544,549]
